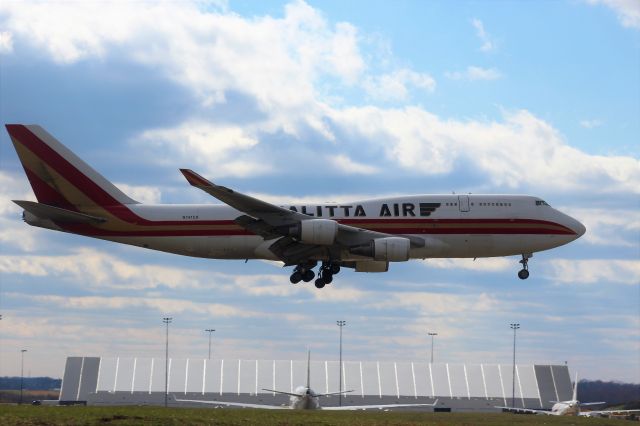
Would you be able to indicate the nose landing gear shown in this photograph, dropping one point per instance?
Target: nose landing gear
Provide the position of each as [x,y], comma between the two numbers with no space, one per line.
[523,274]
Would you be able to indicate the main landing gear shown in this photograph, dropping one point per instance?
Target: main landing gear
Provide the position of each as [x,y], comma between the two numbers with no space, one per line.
[523,274]
[304,272]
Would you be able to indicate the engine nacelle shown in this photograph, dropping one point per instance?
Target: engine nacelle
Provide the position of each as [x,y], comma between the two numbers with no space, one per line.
[316,231]
[390,249]
[372,266]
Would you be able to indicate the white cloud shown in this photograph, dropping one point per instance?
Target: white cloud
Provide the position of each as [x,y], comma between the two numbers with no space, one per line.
[396,86]
[522,149]
[13,187]
[473,73]
[608,227]
[13,231]
[279,63]
[163,305]
[347,165]
[101,270]
[487,43]
[628,11]
[440,303]
[143,194]
[218,149]
[488,264]
[6,42]
[590,271]
[590,124]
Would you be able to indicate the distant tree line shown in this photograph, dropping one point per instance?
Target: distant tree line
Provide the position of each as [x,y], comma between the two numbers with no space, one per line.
[610,392]
[30,383]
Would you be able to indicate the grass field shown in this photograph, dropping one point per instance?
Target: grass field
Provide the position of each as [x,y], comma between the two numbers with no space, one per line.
[78,415]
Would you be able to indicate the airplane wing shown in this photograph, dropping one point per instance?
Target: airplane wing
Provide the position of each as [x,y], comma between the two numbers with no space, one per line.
[269,213]
[271,221]
[235,404]
[284,393]
[377,407]
[526,410]
[599,413]
[333,393]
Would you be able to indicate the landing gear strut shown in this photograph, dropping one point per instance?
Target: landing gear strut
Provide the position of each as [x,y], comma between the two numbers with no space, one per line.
[523,274]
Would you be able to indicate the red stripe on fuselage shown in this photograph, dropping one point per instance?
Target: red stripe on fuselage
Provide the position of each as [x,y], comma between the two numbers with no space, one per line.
[464,227]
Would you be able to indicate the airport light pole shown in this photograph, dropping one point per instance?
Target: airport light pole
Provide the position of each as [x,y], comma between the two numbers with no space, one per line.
[210,330]
[166,321]
[432,334]
[514,327]
[22,351]
[340,324]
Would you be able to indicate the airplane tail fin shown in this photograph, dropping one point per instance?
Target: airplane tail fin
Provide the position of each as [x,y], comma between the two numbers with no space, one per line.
[60,178]
[575,389]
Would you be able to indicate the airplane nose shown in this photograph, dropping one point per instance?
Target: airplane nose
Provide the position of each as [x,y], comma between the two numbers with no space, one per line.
[577,227]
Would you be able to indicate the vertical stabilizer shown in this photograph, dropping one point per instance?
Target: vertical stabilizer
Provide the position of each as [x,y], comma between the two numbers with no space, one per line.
[59,177]
[575,389]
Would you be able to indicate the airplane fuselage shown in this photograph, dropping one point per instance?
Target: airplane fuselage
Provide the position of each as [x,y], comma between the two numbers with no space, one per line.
[364,235]
[460,226]
[306,401]
[570,408]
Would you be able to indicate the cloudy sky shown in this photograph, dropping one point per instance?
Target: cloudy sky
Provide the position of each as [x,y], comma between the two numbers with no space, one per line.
[329,101]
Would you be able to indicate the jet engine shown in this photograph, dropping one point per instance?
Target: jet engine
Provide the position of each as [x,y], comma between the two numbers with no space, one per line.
[390,249]
[316,231]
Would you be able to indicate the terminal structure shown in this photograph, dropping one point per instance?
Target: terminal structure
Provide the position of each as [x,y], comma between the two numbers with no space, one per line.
[457,387]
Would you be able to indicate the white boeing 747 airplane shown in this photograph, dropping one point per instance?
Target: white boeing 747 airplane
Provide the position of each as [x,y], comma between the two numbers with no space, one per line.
[363,235]
[304,398]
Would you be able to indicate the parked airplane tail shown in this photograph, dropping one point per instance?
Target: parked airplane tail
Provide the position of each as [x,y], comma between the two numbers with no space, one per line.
[58,177]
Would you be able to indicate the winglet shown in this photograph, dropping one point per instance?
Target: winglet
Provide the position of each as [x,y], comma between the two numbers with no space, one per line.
[195,179]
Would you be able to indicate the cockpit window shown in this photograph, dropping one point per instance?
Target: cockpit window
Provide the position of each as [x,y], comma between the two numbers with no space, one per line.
[541,203]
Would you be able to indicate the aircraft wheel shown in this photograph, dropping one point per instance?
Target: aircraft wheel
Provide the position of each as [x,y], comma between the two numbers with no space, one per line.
[523,274]
[319,283]
[327,278]
[335,269]
[308,276]
[295,278]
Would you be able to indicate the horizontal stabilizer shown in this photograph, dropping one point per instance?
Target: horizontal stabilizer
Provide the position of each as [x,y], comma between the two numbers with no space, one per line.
[56,214]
